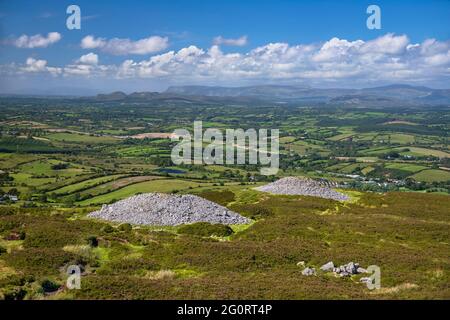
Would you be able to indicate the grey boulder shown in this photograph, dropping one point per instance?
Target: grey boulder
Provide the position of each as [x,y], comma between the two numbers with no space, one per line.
[309,271]
[329,266]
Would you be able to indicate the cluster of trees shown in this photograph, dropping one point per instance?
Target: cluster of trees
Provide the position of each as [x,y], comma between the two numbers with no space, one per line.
[60,166]
[5,178]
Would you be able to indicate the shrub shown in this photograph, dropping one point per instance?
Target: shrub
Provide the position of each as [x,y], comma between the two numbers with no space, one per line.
[60,166]
[205,229]
[22,235]
[92,241]
[125,227]
[14,293]
[107,229]
[2,250]
[49,286]
[14,192]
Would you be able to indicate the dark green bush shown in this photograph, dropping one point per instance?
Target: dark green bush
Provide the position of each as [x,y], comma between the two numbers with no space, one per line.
[205,229]
[22,235]
[14,293]
[60,166]
[49,286]
[107,229]
[252,211]
[92,241]
[125,227]
[2,250]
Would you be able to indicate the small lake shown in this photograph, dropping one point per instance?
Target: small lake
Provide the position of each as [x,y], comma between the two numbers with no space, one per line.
[168,170]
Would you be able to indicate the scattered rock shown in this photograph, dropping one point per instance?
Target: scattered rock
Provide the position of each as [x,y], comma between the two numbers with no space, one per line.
[351,268]
[303,186]
[365,280]
[361,270]
[309,271]
[167,210]
[346,270]
[327,266]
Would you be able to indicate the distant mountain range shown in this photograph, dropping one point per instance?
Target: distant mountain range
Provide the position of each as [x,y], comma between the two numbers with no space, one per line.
[378,96]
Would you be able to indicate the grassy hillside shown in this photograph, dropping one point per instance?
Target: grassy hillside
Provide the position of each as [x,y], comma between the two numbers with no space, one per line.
[409,243]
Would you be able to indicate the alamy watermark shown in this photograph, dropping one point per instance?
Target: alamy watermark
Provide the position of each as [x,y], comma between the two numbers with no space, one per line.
[236,146]
[374,281]
[374,20]
[74,20]
[74,277]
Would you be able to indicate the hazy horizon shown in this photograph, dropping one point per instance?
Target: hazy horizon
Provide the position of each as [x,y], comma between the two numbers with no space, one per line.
[85,92]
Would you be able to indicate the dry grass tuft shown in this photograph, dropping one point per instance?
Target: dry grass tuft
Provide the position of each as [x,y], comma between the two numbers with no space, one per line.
[396,289]
[160,275]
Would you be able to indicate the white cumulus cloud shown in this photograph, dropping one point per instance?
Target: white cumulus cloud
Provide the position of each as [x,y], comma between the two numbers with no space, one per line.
[90,58]
[37,41]
[118,46]
[37,65]
[386,58]
[89,42]
[389,58]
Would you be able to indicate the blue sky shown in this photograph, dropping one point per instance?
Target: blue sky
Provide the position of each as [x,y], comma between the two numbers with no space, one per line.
[179,46]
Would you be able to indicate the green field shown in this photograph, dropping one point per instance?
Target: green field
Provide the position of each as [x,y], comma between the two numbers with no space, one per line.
[305,147]
[44,168]
[397,138]
[113,185]
[432,175]
[412,151]
[431,152]
[28,179]
[85,184]
[406,167]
